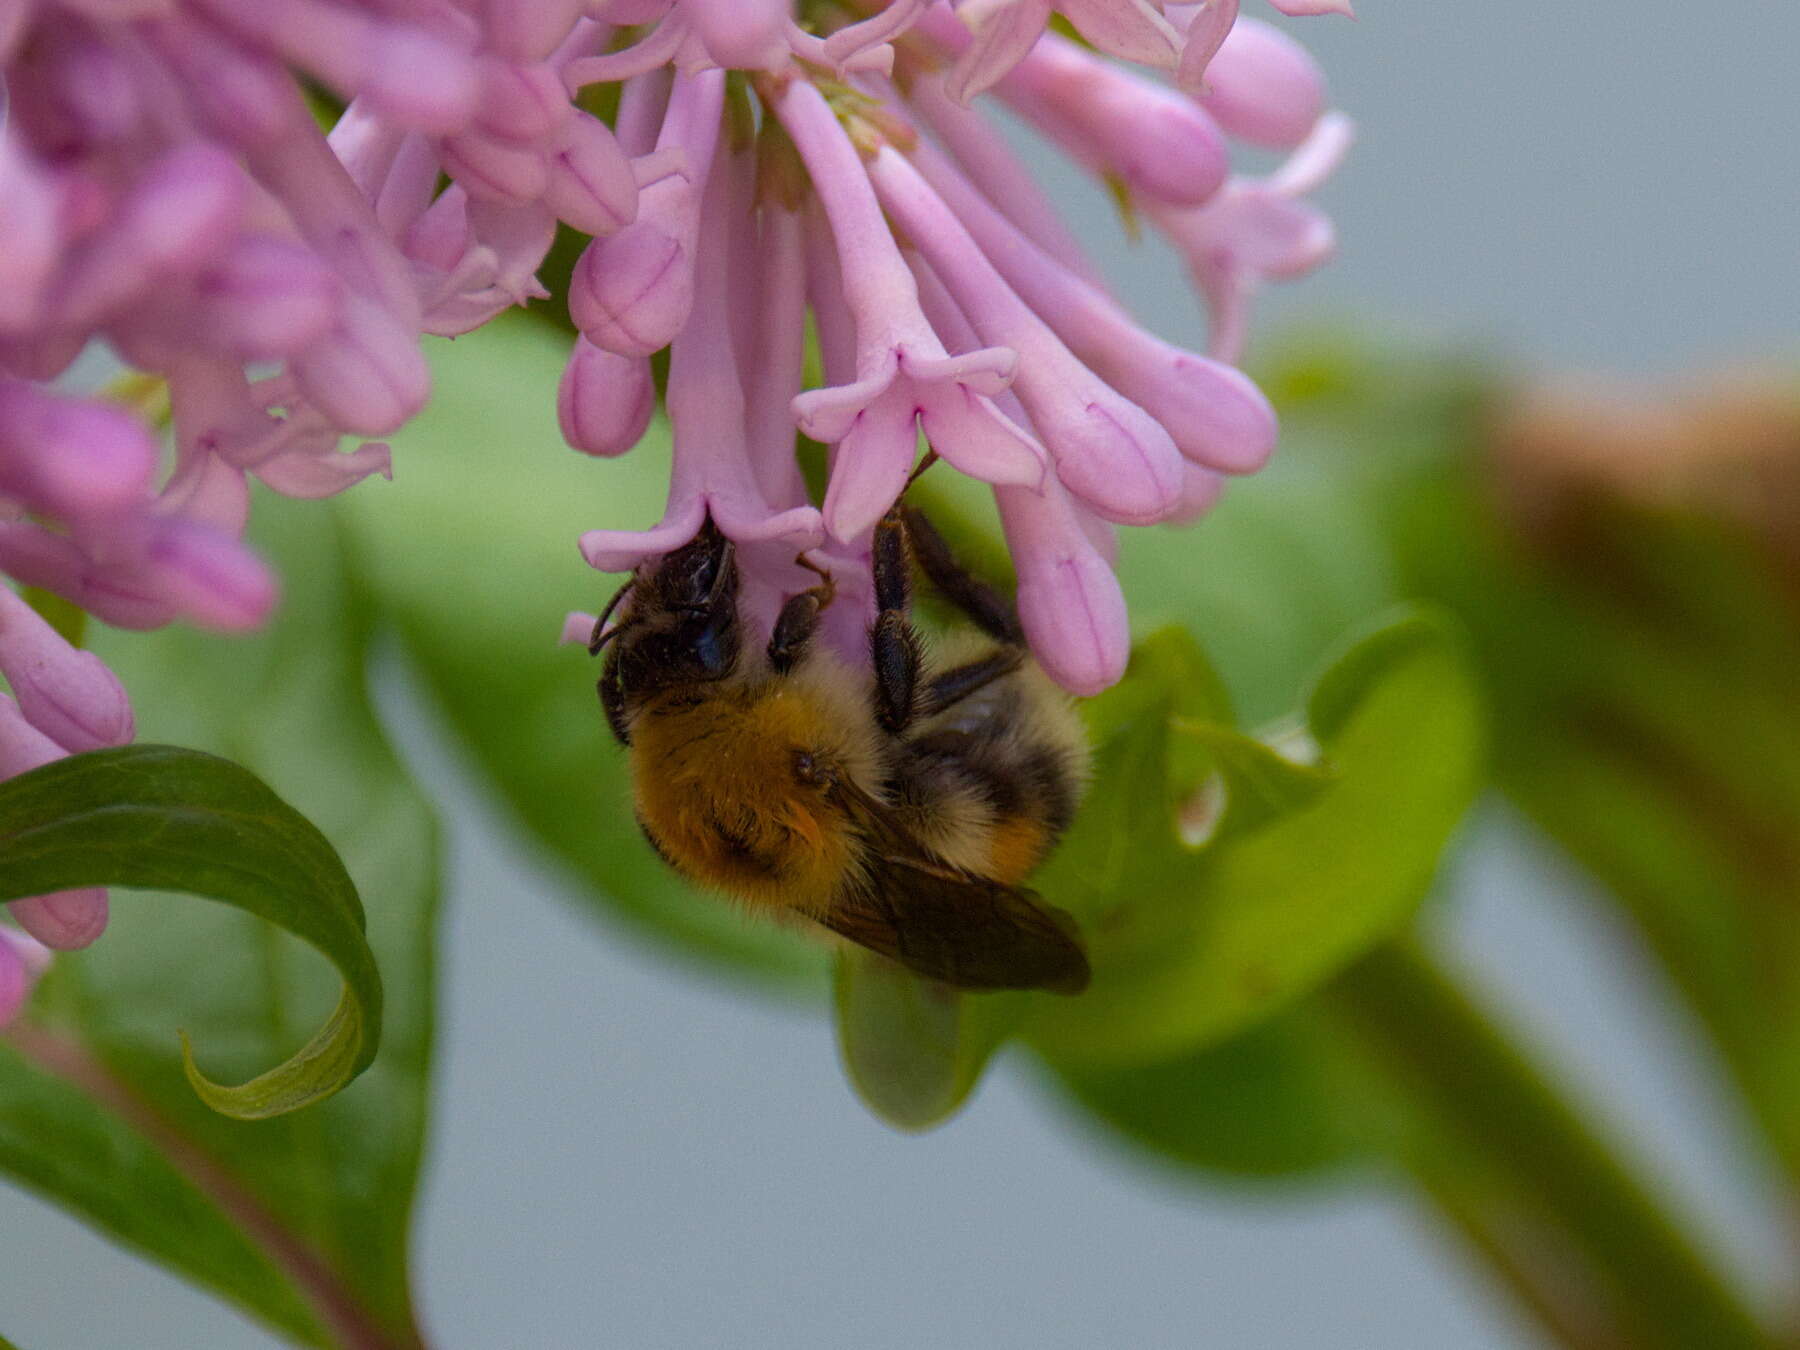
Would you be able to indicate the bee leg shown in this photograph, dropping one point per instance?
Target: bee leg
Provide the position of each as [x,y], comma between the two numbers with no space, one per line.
[893,642]
[952,686]
[984,606]
[799,619]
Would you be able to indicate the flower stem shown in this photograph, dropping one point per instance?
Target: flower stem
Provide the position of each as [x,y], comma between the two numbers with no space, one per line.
[1530,1185]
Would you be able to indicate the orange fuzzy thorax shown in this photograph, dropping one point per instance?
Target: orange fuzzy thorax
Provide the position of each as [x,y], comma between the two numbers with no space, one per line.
[717,787]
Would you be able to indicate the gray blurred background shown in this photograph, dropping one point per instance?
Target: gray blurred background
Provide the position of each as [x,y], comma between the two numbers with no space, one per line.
[1613,186]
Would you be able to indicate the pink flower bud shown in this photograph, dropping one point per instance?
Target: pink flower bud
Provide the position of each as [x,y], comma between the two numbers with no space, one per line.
[211,577]
[64,920]
[633,291]
[178,215]
[1263,87]
[71,458]
[265,298]
[337,220]
[521,102]
[367,373]
[495,170]
[241,95]
[1200,491]
[605,400]
[66,693]
[28,224]
[1154,139]
[119,594]
[1070,603]
[591,184]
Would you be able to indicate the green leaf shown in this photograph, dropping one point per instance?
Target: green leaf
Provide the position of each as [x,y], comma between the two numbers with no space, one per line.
[1192,945]
[913,1048]
[1276,1100]
[158,817]
[301,1220]
[475,564]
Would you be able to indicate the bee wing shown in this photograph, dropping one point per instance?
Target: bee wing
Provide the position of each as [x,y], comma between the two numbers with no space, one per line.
[943,923]
[962,930]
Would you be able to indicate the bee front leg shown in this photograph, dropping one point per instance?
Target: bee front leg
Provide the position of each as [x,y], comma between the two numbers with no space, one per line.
[893,642]
[799,619]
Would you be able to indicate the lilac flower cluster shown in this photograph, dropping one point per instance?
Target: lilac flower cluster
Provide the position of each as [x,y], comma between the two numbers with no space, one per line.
[947,299]
[167,193]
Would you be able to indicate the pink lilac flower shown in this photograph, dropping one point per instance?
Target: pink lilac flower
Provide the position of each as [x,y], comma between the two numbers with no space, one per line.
[166,193]
[1257,230]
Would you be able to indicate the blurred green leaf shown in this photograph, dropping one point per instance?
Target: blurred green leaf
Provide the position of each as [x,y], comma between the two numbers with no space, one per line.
[914,1049]
[1276,1100]
[473,559]
[1191,945]
[1643,665]
[158,817]
[302,1220]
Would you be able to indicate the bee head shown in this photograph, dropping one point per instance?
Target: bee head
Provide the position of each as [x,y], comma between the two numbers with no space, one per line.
[681,626]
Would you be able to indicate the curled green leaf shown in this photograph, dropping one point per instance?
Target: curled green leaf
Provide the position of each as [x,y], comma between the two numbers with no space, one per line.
[161,818]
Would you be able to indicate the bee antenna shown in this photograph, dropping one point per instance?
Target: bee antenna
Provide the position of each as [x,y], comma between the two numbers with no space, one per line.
[599,638]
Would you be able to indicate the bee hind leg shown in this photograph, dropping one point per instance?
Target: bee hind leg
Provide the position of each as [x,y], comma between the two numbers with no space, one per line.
[985,607]
[799,619]
[952,686]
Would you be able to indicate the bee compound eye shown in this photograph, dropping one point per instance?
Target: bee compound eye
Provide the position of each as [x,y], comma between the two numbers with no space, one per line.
[808,769]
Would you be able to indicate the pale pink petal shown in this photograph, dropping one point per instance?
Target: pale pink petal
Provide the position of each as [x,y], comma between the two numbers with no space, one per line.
[1003,31]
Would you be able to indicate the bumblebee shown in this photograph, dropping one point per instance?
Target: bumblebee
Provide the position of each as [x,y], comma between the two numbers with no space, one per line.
[900,807]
